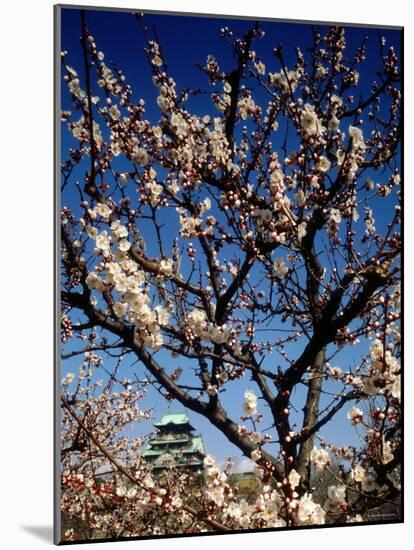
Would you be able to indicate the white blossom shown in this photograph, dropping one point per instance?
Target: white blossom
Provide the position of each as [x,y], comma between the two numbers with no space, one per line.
[294,478]
[279,268]
[302,227]
[308,512]
[320,458]
[355,415]
[114,112]
[323,164]
[310,122]
[250,405]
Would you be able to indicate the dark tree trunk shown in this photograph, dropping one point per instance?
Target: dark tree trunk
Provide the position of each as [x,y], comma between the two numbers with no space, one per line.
[311,411]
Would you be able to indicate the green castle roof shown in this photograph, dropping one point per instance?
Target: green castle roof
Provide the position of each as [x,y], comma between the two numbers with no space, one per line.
[178,419]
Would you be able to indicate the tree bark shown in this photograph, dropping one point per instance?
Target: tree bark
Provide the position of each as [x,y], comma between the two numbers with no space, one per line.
[311,411]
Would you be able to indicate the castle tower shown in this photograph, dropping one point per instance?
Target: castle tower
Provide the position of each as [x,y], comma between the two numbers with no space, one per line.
[175,445]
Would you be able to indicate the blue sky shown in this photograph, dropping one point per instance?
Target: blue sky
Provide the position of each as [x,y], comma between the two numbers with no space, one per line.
[186,40]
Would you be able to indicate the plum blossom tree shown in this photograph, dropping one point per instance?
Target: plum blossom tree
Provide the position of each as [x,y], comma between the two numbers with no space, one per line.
[242,242]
